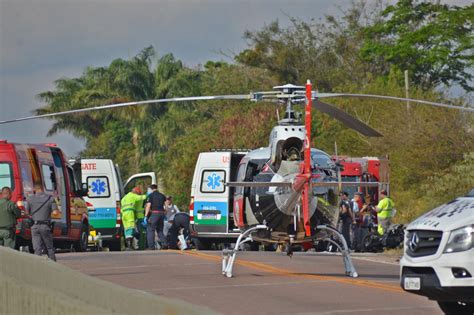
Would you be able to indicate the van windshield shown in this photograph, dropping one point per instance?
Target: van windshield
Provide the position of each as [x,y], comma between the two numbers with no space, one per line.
[6,175]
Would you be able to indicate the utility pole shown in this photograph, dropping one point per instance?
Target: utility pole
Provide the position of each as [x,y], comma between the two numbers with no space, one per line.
[407,95]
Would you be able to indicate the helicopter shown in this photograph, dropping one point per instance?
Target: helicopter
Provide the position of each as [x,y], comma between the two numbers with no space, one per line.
[281,191]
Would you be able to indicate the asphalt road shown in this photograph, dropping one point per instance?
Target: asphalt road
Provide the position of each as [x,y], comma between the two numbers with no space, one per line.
[264,282]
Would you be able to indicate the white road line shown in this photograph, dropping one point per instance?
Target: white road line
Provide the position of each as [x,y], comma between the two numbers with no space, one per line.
[376,261]
[141,266]
[237,285]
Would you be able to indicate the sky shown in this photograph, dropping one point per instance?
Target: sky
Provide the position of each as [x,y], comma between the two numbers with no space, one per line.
[44,40]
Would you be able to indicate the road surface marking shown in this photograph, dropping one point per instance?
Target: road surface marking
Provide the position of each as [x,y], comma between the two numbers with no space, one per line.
[376,261]
[80,268]
[233,285]
[289,273]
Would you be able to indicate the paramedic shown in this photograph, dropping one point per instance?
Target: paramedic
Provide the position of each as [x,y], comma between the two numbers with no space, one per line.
[130,203]
[155,216]
[178,221]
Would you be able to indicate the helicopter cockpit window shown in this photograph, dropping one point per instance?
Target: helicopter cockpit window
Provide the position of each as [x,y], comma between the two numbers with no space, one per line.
[321,160]
[254,167]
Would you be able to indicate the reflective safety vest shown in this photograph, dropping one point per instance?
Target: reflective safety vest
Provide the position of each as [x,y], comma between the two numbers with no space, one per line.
[323,201]
[132,202]
[386,206]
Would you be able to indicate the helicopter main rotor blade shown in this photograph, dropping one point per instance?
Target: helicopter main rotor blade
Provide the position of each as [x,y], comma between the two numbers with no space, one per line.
[346,184]
[119,105]
[258,184]
[347,119]
[329,95]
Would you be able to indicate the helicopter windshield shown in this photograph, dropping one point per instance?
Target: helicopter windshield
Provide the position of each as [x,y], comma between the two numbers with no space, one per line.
[321,159]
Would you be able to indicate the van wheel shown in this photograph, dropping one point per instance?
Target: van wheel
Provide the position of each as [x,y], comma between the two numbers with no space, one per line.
[81,244]
[250,247]
[115,246]
[458,308]
[202,244]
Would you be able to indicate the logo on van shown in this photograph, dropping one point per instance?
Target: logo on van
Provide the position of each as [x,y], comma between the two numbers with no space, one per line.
[213,181]
[98,187]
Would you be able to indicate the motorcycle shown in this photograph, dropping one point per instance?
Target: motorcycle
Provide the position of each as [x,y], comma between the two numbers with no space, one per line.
[374,242]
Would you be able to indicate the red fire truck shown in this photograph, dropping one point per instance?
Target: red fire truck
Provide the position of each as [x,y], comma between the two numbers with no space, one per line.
[363,170]
[24,165]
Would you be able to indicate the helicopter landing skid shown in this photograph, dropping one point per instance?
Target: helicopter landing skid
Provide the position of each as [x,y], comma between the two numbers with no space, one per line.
[346,253]
[229,255]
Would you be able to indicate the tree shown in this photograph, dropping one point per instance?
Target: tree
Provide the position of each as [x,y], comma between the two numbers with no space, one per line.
[326,52]
[433,41]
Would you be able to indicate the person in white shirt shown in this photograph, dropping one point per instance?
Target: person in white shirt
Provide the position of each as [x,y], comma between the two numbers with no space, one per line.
[170,210]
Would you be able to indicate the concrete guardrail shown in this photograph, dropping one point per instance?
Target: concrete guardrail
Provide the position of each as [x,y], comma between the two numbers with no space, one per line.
[31,284]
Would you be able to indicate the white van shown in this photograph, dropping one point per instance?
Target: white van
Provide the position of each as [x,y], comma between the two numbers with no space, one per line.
[211,201]
[438,260]
[105,192]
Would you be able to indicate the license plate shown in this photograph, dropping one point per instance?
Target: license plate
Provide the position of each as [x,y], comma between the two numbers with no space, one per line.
[412,283]
[92,233]
[209,216]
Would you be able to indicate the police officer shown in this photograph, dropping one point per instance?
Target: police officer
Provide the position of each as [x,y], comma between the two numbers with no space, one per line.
[41,206]
[178,221]
[384,212]
[9,212]
[155,214]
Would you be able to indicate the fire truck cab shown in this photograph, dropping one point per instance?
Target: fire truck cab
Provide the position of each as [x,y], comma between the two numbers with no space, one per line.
[364,170]
[24,165]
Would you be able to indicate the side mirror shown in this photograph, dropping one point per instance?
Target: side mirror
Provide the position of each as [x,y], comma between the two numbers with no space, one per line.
[84,190]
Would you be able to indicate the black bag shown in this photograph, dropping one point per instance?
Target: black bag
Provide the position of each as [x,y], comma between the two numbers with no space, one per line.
[29,222]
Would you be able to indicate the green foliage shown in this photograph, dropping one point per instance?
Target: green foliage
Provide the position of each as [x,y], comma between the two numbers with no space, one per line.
[426,146]
[328,52]
[439,188]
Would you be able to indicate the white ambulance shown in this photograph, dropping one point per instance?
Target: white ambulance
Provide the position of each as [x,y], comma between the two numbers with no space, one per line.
[211,203]
[105,192]
[438,260]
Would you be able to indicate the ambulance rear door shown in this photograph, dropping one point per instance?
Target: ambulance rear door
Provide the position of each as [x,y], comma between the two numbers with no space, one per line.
[142,180]
[103,194]
[211,196]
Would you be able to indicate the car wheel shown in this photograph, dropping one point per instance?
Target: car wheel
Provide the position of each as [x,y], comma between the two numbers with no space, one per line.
[115,246]
[458,308]
[81,244]
[202,244]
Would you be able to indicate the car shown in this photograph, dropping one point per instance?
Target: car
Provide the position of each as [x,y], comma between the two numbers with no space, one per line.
[438,260]
[24,165]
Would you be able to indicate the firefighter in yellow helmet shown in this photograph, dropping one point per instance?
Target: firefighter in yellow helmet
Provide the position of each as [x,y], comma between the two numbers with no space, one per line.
[131,203]
[385,212]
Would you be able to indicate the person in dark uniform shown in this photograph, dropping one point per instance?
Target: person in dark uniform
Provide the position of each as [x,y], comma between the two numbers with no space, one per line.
[9,212]
[155,214]
[41,206]
[178,221]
